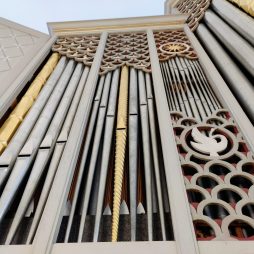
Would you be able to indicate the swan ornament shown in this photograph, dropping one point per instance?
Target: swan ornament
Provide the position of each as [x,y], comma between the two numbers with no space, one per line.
[212,145]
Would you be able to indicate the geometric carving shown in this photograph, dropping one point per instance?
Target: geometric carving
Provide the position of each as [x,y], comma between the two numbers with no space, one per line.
[220,189]
[80,48]
[174,48]
[129,49]
[172,43]
[13,45]
[196,10]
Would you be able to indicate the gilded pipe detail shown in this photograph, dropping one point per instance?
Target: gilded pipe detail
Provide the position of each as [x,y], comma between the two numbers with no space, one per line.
[121,137]
[246,5]
[10,126]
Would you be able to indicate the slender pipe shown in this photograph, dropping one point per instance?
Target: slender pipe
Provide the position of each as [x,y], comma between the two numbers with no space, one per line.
[28,153]
[133,150]
[58,150]
[243,24]
[94,155]
[236,80]
[106,151]
[154,144]
[174,88]
[146,151]
[121,138]
[180,88]
[17,115]
[44,154]
[8,157]
[237,45]
[46,188]
[89,135]
[201,86]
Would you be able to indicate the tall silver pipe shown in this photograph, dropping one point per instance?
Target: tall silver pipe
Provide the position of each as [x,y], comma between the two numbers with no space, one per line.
[11,152]
[94,155]
[207,85]
[167,84]
[175,88]
[172,89]
[179,84]
[89,136]
[45,151]
[60,144]
[239,47]
[146,151]
[201,85]
[240,85]
[107,144]
[197,87]
[73,108]
[46,188]
[155,153]
[196,104]
[188,97]
[28,152]
[133,149]
[239,20]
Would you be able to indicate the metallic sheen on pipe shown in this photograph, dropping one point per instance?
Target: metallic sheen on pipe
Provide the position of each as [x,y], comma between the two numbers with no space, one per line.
[11,152]
[17,115]
[106,149]
[28,153]
[146,151]
[121,138]
[45,151]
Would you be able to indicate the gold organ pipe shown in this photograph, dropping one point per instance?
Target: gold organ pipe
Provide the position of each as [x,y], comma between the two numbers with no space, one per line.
[246,5]
[121,137]
[11,124]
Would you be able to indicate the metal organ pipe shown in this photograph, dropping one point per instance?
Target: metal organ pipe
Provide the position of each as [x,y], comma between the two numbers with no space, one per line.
[243,24]
[146,151]
[95,150]
[11,152]
[121,138]
[89,134]
[133,149]
[107,143]
[28,152]
[188,89]
[45,151]
[236,80]
[60,144]
[239,47]
[154,145]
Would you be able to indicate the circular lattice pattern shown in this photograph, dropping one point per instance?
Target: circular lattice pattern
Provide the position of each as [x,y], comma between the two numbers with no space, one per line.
[174,48]
[129,49]
[172,43]
[80,48]
[220,188]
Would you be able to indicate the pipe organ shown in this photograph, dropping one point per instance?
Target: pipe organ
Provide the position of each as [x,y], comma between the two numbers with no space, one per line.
[128,137]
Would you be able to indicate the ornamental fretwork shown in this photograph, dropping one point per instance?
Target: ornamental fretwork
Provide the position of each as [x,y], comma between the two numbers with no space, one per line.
[196,10]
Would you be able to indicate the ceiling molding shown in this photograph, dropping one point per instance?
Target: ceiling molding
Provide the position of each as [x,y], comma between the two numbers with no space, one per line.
[116,25]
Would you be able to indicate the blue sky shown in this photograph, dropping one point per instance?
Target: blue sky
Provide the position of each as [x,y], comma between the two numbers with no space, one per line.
[36,13]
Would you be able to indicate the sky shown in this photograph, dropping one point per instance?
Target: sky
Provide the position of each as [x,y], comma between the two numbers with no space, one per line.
[36,13]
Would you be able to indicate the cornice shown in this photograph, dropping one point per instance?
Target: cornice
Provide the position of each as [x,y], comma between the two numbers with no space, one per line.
[114,25]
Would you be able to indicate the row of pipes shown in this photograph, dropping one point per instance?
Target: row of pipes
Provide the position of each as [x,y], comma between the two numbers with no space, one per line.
[36,148]
[122,123]
[120,170]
